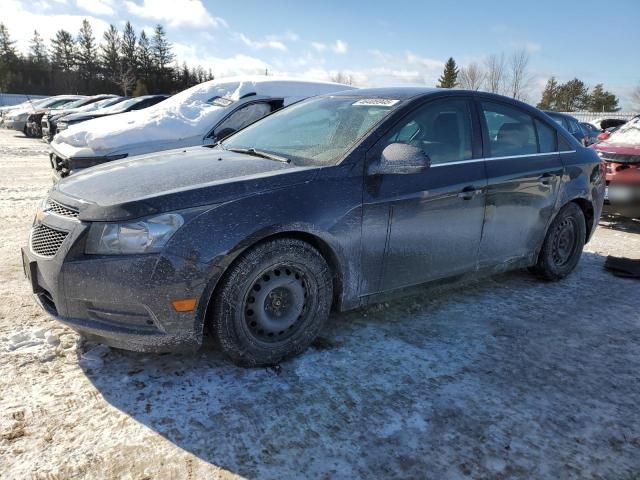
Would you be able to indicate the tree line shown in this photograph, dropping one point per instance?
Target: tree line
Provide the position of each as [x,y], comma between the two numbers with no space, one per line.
[123,63]
[509,75]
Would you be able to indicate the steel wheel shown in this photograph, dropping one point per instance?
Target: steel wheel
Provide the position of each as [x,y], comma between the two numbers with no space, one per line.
[276,304]
[564,242]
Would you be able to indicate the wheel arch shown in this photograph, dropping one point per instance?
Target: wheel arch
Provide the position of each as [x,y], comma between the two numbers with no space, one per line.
[588,212]
[327,251]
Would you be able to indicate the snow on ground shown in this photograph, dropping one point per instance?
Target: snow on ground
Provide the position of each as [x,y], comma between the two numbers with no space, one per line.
[505,378]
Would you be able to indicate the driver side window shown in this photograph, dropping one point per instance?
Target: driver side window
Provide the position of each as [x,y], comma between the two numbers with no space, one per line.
[442,129]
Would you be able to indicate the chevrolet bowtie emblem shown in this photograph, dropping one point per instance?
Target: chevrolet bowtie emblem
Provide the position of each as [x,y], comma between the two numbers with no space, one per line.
[40,215]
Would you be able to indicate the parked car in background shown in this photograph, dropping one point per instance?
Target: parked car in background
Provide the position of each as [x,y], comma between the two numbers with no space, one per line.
[604,135]
[621,152]
[49,121]
[328,203]
[590,132]
[34,121]
[571,124]
[200,115]
[33,103]
[128,105]
[17,119]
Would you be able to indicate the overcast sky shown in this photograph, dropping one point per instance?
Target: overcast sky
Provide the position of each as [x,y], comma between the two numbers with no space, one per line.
[377,43]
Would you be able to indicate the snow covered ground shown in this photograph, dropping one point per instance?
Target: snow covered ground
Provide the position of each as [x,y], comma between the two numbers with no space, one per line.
[504,378]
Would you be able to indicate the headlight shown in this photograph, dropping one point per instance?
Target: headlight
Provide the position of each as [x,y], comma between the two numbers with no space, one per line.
[62,126]
[145,236]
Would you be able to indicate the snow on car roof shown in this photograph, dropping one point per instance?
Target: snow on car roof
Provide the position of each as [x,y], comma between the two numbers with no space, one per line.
[192,112]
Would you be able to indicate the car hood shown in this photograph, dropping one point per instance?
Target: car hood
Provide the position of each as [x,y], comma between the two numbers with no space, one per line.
[74,117]
[172,180]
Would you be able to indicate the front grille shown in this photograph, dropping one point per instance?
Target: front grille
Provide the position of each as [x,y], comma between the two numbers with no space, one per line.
[61,165]
[46,241]
[60,209]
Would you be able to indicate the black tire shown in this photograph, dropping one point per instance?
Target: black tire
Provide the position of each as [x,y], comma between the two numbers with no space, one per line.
[563,244]
[272,303]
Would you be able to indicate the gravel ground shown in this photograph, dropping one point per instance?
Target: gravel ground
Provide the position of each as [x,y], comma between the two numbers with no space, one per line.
[505,378]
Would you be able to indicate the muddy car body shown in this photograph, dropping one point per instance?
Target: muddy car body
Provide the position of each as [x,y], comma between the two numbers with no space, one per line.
[331,203]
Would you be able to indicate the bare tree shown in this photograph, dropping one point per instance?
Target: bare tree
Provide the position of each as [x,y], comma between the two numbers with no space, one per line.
[125,78]
[471,77]
[635,97]
[519,77]
[495,73]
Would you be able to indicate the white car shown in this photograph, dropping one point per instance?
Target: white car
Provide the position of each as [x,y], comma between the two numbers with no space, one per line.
[16,119]
[200,115]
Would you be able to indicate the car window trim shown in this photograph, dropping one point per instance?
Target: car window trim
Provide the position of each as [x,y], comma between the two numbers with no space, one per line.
[490,159]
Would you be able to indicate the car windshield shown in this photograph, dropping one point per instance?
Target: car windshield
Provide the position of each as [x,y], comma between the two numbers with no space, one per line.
[122,106]
[76,103]
[628,133]
[100,104]
[318,131]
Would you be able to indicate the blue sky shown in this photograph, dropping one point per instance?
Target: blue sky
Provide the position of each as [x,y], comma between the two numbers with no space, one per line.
[376,43]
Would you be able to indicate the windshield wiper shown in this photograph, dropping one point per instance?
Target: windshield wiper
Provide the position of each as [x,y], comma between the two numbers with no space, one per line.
[259,153]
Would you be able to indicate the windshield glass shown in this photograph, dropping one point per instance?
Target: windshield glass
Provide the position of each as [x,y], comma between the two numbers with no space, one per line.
[318,131]
[100,104]
[628,133]
[121,106]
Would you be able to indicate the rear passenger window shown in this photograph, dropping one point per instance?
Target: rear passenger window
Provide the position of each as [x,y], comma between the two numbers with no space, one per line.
[547,137]
[510,130]
[442,129]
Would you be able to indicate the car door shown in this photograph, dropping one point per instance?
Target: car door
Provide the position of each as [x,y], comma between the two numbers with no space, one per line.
[424,226]
[524,171]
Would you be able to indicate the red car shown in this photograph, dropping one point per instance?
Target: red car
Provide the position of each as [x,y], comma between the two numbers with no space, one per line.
[621,152]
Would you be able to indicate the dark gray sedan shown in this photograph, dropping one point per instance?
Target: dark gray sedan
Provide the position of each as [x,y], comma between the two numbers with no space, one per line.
[330,203]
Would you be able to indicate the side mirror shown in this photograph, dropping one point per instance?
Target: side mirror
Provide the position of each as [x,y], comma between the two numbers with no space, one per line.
[400,159]
[223,133]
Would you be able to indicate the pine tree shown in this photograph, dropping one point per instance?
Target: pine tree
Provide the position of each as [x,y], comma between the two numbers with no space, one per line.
[161,48]
[37,49]
[8,59]
[601,100]
[110,53]
[87,52]
[572,96]
[128,49]
[549,95]
[63,51]
[449,78]
[144,55]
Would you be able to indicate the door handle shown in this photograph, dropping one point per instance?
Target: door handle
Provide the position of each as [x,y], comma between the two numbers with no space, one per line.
[545,179]
[468,193]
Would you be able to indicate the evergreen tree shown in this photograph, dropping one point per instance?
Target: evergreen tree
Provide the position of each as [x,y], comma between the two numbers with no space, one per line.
[87,52]
[572,96]
[37,49]
[128,49]
[601,100]
[449,78]
[8,59]
[144,54]
[161,49]
[63,51]
[549,95]
[110,53]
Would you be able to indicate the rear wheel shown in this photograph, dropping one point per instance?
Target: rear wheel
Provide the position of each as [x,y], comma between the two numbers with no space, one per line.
[272,303]
[563,244]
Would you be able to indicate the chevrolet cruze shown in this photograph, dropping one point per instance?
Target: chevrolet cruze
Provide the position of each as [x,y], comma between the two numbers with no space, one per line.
[326,204]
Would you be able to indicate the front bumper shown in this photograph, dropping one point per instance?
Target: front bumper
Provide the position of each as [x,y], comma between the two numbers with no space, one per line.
[122,301]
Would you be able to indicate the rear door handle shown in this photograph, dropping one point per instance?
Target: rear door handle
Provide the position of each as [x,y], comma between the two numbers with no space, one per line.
[546,179]
[468,193]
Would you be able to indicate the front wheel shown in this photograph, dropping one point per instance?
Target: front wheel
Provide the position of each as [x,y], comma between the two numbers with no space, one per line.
[272,303]
[563,244]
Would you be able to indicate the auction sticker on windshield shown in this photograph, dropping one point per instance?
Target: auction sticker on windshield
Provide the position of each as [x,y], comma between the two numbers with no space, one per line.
[376,102]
